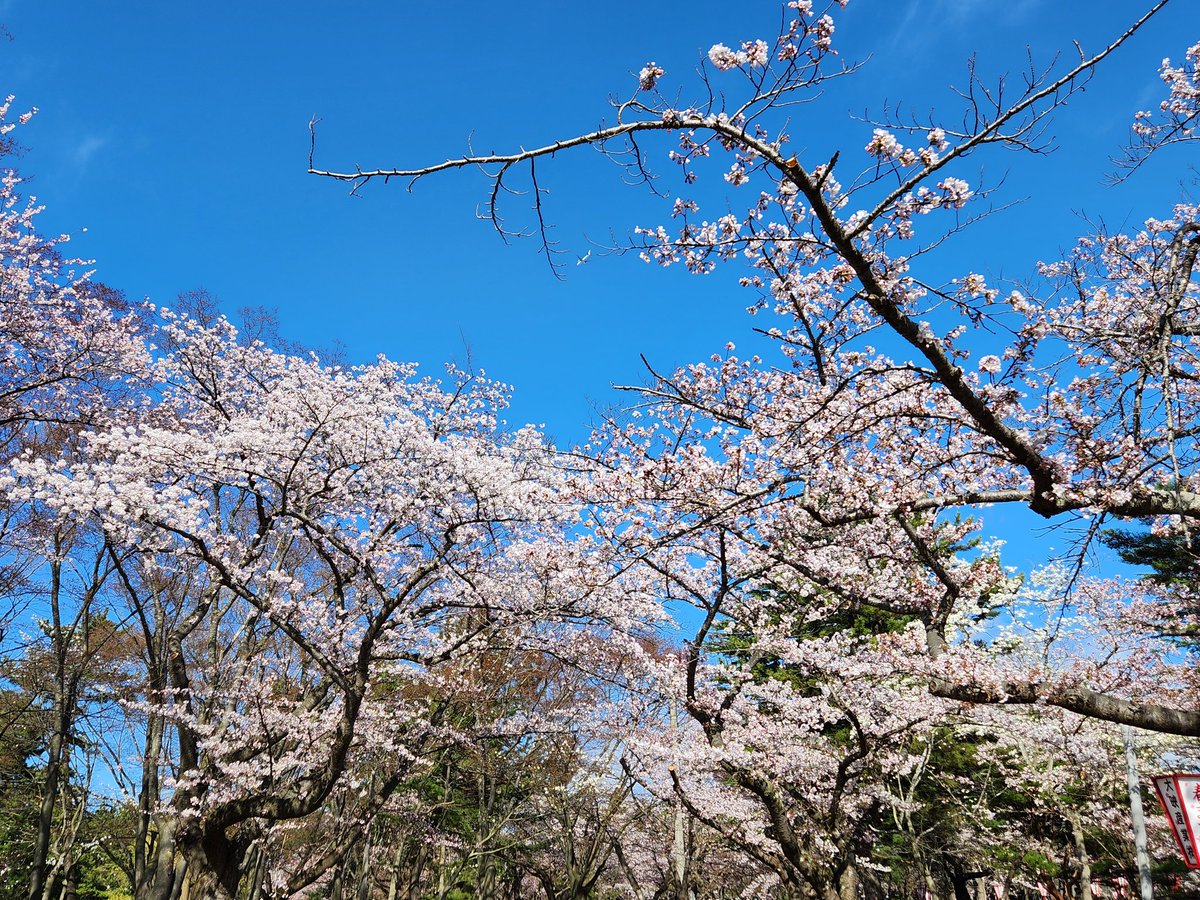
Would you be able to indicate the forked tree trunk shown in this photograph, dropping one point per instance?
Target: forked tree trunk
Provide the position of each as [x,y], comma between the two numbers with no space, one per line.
[160,876]
[214,864]
[260,873]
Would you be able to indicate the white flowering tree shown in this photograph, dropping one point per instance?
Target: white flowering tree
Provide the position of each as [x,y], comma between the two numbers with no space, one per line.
[317,541]
[70,356]
[1084,412]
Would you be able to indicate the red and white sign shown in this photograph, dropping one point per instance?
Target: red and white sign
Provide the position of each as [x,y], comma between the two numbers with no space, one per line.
[1180,797]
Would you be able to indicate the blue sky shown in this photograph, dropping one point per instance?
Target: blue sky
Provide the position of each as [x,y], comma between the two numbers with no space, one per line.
[176,134]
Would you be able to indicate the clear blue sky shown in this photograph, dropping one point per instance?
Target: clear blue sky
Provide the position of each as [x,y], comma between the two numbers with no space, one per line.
[176,134]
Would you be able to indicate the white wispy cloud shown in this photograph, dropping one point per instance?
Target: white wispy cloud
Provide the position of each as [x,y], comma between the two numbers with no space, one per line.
[87,148]
[956,14]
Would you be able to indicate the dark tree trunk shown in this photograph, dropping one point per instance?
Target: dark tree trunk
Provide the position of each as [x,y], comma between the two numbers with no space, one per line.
[962,891]
[61,708]
[70,882]
[41,848]
[214,865]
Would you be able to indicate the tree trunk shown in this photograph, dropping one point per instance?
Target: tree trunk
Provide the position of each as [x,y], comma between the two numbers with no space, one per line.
[158,881]
[848,883]
[179,878]
[394,883]
[214,863]
[680,857]
[414,870]
[70,882]
[260,873]
[962,891]
[442,886]
[1082,859]
[485,874]
[60,714]
[365,876]
[485,888]
[41,847]
[147,800]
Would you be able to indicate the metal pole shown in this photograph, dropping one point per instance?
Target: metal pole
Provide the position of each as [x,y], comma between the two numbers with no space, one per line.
[1135,812]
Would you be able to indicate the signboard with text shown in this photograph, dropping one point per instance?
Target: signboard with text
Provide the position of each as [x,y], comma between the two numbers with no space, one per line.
[1180,797]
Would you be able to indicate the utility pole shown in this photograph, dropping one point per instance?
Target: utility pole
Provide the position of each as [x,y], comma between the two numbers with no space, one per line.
[1135,812]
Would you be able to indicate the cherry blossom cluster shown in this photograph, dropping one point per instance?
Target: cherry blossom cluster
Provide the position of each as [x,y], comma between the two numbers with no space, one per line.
[1179,112]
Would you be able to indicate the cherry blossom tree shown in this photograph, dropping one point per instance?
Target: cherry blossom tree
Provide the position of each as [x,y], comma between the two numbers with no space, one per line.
[833,450]
[340,534]
[301,556]
[68,341]
[799,724]
[72,353]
